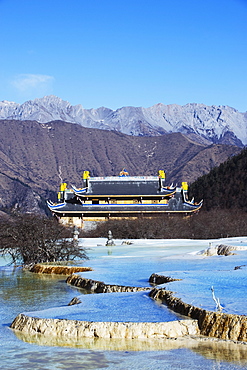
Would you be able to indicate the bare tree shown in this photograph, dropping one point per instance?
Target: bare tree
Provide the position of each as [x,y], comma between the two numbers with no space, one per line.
[217,301]
[30,239]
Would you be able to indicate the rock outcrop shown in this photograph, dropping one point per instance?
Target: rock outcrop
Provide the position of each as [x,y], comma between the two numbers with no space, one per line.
[99,286]
[58,269]
[128,330]
[221,250]
[212,324]
[157,279]
[74,301]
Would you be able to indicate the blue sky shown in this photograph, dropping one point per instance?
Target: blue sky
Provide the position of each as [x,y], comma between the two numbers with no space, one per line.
[125,52]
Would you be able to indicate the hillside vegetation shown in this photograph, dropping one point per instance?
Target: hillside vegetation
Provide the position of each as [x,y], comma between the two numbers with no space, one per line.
[214,224]
[225,186]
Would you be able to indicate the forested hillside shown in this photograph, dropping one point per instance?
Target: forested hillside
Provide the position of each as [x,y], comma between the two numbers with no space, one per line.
[224,186]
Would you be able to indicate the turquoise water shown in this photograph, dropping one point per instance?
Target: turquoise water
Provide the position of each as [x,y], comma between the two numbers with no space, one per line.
[21,291]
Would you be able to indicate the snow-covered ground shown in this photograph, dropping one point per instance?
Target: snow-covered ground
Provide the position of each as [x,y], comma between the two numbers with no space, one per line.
[133,264]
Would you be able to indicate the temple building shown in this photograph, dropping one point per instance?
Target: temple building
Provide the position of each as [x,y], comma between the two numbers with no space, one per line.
[124,196]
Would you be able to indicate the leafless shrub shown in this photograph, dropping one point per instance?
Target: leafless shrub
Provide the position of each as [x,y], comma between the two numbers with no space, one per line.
[30,239]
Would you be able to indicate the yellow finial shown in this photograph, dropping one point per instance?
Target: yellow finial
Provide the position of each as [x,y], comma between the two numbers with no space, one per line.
[85,175]
[161,174]
[185,185]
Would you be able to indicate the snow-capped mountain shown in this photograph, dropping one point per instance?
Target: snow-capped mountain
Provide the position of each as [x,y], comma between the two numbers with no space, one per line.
[212,124]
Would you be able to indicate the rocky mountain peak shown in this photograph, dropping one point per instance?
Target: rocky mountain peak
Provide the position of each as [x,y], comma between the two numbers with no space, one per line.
[213,124]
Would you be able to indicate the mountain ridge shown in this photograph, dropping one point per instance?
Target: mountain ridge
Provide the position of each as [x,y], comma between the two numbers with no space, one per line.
[205,124]
[35,157]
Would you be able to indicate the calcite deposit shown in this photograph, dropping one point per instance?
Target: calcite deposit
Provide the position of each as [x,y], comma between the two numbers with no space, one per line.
[212,324]
[128,330]
[199,322]
[58,269]
[99,286]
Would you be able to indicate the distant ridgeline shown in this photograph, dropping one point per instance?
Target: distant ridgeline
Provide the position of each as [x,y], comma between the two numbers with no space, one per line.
[102,198]
[224,186]
[30,174]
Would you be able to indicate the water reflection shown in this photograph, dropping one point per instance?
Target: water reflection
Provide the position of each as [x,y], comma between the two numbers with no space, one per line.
[209,348]
[39,359]
[21,290]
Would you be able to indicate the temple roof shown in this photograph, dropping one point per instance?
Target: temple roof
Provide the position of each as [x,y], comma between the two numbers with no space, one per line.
[138,185]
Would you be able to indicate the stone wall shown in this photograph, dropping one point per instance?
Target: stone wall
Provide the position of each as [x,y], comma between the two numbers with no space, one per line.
[100,287]
[212,324]
[129,330]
